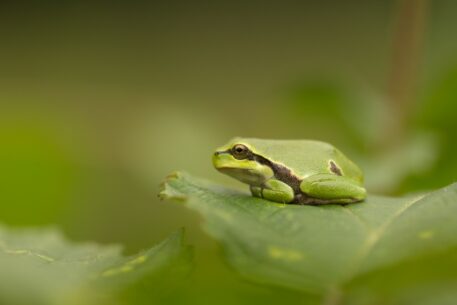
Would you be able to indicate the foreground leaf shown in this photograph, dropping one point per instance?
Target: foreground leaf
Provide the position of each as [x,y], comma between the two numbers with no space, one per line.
[336,252]
[38,266]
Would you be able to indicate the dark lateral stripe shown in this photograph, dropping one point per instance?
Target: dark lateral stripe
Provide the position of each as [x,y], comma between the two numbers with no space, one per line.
[281,173]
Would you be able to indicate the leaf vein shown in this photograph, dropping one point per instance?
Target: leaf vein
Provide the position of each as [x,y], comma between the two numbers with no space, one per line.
[375,235]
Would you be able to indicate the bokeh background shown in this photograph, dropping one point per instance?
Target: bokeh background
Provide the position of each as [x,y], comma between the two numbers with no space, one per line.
[100,101]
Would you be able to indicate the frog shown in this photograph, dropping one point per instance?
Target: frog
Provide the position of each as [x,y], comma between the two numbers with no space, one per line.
[304,172]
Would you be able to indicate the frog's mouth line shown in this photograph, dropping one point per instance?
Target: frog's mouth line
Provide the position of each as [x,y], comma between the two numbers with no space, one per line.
[234,169]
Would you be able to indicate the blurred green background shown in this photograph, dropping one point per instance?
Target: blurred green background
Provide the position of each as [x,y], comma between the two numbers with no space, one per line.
[100,101]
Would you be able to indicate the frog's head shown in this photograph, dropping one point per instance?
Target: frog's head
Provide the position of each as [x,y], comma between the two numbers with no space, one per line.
[239,160]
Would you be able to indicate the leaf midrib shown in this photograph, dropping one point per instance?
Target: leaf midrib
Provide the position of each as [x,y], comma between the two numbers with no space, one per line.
[374,236]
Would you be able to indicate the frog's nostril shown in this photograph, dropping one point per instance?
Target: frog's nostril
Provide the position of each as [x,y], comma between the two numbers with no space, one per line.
[216,153]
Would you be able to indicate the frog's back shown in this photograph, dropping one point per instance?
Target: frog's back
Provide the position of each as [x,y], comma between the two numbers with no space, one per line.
[306,157]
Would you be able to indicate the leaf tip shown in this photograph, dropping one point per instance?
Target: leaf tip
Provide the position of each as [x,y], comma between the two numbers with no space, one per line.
[168,189]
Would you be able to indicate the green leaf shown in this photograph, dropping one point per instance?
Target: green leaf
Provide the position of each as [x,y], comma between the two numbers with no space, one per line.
[336,252]
[39,266]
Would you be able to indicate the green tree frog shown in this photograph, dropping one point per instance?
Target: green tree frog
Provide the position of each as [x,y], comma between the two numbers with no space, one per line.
[292,171]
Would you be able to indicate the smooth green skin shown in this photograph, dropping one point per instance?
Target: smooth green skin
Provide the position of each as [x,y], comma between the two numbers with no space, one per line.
[307,160]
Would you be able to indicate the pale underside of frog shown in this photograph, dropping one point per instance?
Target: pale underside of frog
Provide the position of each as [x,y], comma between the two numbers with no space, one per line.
[292,171]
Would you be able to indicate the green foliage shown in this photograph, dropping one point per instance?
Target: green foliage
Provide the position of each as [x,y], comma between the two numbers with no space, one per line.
[382,251]
[38,266]
[437,113]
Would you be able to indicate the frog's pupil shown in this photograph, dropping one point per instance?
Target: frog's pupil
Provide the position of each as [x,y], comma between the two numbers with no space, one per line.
[240,149]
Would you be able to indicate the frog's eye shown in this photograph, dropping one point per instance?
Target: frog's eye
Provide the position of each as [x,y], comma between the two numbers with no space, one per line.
[239,151]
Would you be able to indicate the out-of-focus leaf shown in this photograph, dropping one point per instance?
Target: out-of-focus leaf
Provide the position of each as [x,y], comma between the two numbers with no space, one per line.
[437,113]
[336,110]
[38,266]
[385,172]
[380,251]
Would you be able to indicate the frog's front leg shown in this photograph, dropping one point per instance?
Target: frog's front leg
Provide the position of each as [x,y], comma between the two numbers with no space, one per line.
[329,188]
[274,190]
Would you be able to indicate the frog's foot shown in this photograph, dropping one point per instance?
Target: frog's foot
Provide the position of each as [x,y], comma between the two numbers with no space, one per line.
[256,191]
[328,189]
[274,190]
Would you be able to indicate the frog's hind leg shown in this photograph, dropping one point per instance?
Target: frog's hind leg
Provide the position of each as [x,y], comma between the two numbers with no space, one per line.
[329,188]
[274,190]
